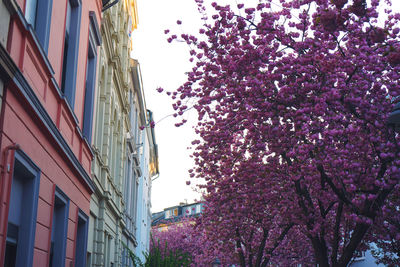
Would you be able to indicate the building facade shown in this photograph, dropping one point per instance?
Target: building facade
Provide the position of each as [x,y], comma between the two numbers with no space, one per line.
[173,215]
[144,158]
[122,146]
[48,65]
[112,109]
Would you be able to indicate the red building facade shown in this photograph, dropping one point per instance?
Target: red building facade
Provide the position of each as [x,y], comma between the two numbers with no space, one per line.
[48,71]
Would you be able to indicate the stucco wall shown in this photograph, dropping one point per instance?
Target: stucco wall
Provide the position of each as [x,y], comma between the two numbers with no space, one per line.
[22,128]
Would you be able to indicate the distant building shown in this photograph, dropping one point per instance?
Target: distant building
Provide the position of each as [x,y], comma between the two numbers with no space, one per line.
[175,214]
[364,259]
[126,157]
[143,151]
[112,108]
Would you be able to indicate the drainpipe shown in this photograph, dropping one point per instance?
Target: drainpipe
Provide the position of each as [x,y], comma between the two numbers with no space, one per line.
[4,170]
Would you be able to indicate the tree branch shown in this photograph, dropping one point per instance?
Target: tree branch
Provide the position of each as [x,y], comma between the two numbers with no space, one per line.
[262,247]
[239,249]
[340,193]
[277,242]
[335,246]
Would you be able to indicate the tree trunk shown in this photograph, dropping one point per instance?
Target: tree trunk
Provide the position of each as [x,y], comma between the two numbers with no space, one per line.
[356,238]
[320,251]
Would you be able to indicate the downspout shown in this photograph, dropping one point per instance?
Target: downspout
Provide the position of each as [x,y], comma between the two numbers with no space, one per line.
[6,168]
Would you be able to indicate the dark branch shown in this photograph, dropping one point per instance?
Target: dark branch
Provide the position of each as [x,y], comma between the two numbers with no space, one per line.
[336,236]
[262,247]
[239,249]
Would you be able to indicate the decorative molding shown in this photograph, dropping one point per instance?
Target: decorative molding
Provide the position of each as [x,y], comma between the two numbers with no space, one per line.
[7,68]
[55,84]
[24,88]
[95,28]
[35,38]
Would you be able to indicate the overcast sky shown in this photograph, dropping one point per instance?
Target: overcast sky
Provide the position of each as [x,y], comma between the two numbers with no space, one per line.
[163,65]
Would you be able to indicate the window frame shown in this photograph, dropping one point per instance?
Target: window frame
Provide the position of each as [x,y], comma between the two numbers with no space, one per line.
[25,250]
[41,20]
[61,233]
[91,69]
[81,255]
[70,68]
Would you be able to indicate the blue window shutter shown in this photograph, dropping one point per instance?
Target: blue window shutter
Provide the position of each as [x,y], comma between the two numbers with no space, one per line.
[38,14]
[23,207]
[43,21]
[59,228]
[71,55]
[81,240]
[94,41]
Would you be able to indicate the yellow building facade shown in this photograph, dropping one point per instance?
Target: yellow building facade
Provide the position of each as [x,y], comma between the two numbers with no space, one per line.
[109,233]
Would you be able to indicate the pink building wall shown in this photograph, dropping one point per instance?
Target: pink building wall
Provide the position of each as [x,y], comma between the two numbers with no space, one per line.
[20,124]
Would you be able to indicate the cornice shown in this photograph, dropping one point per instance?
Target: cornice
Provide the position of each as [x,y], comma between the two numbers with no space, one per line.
[40,112]
[114,59]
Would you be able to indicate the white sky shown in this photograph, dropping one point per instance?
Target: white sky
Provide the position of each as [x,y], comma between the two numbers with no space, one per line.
[163,65]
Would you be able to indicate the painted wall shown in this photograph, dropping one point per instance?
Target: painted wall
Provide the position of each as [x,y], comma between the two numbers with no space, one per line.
[111,233]
[144,202]
[36,117]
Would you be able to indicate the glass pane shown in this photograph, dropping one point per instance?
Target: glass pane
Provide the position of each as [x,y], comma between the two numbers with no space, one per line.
[68,20]
[30,11]
[11,255]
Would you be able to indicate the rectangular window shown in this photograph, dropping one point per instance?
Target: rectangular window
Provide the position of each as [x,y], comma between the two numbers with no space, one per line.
[94,41]
[81,240]
[71,47]
[22,212]
[198,208]
[38,14]
[59,229]
[127,194]
[108,250]
[132,195]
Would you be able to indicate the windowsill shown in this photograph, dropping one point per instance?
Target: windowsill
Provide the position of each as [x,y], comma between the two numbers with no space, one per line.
[39,46]
[28,27]
[70,109]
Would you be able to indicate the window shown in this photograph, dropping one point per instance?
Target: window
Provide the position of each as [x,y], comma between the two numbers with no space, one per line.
[134,193]
[81,240]
[198,208]
[188,211]
[94,39]
[38,14]
[71,47]
[127,192]
[22,212]
[109,255]
[92,236]
[59,229]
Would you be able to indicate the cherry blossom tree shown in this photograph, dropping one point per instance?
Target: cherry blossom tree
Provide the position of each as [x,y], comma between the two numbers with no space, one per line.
[185,237]
[244,221]
[293,98]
